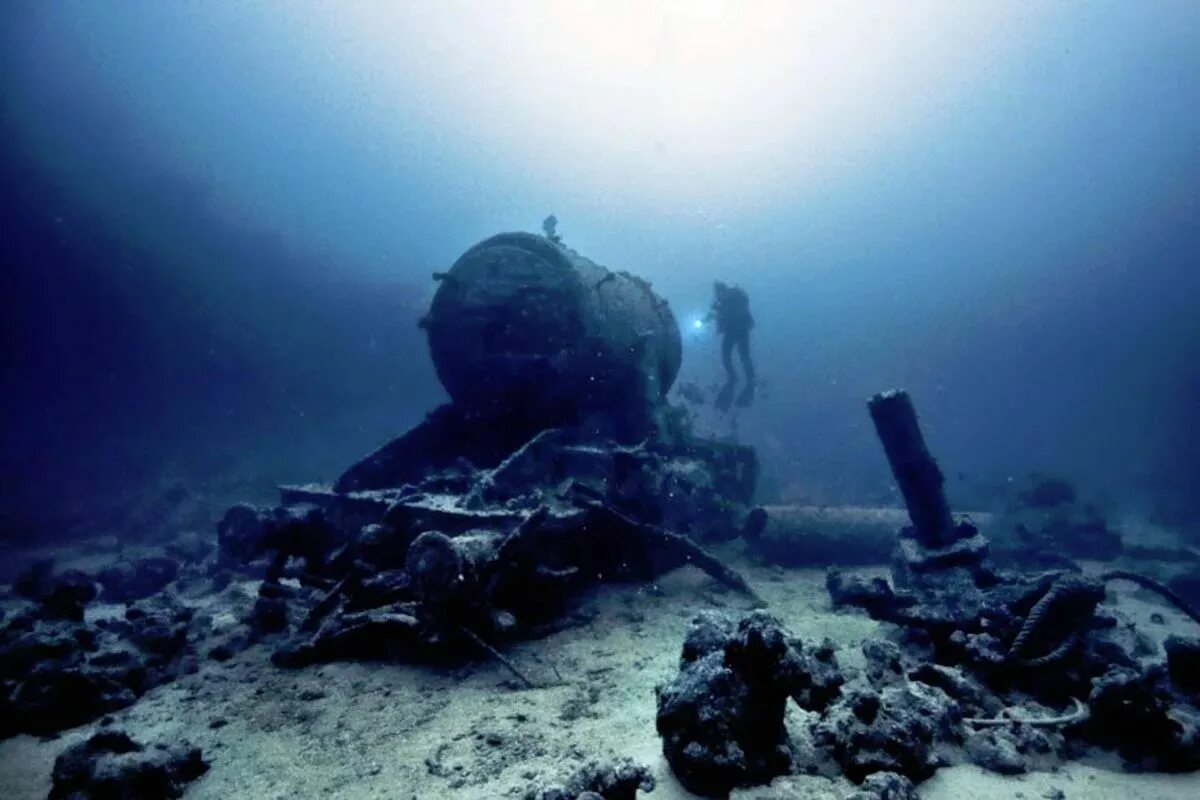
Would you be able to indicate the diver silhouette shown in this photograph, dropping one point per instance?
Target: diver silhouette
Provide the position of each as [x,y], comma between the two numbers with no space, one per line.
[731,310]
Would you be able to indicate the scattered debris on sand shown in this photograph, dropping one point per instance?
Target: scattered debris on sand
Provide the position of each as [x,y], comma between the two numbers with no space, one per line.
[485,525]
[1035,662]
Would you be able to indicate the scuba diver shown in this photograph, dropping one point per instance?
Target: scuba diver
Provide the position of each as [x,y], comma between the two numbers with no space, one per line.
[731,310]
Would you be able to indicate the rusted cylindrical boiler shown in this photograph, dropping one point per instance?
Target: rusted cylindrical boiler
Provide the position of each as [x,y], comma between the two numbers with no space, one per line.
[523,327]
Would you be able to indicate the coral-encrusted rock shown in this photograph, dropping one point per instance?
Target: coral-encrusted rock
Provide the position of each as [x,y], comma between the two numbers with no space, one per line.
[240,533]
[62,595]
[995,751]
[883,664]
[111,765]
[963,688]
[191,547]
[136,580]
[1016,749]
[21,648]
[159,627]
[68,594]
[1183,662]
[47,682]
[1187,586]
[35,581]
[53,698]
[875,596]
[57,674]
[722,717]
[607,780]
[247,533]
[896,729]
[1136,713]
[885,786]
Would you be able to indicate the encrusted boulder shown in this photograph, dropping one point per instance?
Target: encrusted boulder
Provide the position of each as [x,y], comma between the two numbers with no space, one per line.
[49,681]
[68,594]
[246,534]
[722,717]
[885,786]
[620,779]
[1136,713]
[138,579]
[900,728]
[1183,662]
[111,765]
[54,697]
[61,595]
[57,673]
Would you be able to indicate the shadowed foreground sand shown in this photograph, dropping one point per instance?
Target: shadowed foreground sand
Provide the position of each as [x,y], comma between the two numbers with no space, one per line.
[392,731]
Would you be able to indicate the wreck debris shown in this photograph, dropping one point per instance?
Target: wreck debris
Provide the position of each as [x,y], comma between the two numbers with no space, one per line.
[845,536]
[529,331]
[1139,713]
[57,672]
[917,474]
[1004,630]
[667,550]
[1046,527]
[1147,582]
[491,651]
[137,579]
[935,542]
[557,465]
[110,764]
[486,585]
[1183,662]
[1077,714]
[1067,605]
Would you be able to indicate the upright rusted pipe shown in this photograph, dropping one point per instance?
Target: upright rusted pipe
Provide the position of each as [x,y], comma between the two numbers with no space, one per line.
[915,470]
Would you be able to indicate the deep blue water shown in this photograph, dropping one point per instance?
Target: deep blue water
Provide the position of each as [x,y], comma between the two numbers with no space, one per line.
[219,226]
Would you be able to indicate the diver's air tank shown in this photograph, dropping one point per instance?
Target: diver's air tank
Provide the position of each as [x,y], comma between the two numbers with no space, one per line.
[522,326]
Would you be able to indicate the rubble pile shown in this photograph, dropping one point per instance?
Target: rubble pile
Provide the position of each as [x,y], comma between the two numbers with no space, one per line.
[1012,671]
[1035,661]
[59,669]
[557,465]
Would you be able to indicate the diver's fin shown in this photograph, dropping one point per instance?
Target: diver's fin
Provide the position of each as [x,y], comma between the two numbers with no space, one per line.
[725,398]
[747,395]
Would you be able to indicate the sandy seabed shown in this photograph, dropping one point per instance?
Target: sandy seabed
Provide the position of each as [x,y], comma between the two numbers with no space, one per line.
[359,730]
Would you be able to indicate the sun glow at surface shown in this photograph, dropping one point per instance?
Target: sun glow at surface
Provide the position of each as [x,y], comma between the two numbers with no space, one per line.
[666,100]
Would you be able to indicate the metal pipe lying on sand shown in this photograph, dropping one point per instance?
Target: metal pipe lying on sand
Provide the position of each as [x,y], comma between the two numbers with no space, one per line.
[821,536]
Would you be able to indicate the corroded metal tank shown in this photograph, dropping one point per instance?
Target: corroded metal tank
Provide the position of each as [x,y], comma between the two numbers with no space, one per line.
[522,326]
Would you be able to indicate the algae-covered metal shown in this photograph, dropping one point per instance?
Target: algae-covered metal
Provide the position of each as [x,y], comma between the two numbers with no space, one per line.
[522,325]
